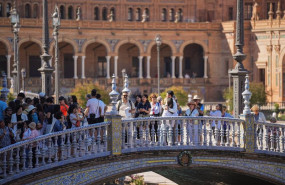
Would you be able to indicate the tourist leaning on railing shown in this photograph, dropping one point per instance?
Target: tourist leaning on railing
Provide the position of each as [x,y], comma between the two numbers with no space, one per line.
[192,111]
[18,119]
[5,135]
[216,113]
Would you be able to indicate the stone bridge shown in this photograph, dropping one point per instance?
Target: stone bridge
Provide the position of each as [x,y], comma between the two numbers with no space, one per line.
[119,147]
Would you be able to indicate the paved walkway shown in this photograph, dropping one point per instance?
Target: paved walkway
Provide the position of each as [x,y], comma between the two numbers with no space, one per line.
[152,178]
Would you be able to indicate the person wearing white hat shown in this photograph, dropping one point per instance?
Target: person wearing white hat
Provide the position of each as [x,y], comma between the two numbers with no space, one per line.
[199,106]
[32,114]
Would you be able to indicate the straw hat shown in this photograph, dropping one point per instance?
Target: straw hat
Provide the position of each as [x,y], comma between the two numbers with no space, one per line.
[196,97]
[32,125]
[254,108]
[191,103]
[30,108]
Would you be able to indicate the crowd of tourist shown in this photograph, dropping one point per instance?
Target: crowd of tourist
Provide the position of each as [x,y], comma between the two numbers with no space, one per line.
[25,118]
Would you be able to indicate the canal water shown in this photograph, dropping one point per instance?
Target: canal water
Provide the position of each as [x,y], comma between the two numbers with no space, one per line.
[209,176]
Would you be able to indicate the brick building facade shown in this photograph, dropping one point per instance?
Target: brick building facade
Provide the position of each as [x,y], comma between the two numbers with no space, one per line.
[100,37]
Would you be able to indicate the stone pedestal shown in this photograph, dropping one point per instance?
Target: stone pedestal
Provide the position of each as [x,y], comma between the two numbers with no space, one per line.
[115,136]
[250,140]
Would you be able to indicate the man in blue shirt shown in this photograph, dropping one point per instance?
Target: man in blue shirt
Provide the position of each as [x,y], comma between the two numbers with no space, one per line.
[3,106]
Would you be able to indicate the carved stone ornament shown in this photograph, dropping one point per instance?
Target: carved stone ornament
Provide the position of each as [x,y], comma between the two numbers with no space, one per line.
[269,48]
[185,158]
[255,16]
[113,43]
[277,48]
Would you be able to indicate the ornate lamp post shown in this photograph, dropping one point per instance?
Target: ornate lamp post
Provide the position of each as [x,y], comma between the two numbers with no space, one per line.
[15,21]
[114,96]
[46,70]
[158,44]
[239,72]
[56,24]
[23,72]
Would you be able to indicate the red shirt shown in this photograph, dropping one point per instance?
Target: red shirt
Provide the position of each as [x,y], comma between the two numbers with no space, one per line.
[64,109]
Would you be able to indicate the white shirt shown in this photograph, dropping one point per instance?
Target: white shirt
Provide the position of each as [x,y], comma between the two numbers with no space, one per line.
[194,113]
[125,107]
[102,106]
[72,118]
[93,104]
[155,108]
[14,119]
[171,112]
[216,113]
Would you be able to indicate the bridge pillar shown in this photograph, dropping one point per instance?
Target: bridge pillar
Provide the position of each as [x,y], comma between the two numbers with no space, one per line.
[250,140]
[115,136]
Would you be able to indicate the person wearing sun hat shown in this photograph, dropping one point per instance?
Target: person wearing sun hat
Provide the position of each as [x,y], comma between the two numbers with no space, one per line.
[32,114]
[192,111]
[258,116]
[199,105]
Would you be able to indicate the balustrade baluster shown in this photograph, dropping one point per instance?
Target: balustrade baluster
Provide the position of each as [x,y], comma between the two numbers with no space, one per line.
[147,134]
[93,143]
[277,139]
[159,133]
[5,165]
[55,149]
[68,146]
[200,133]
[11,162]
[141,134]
[44,153]
[18,160]
[80,144]
[49,150]
[24,158]
[238,134]
[192,131]
[283,140]
[86,141]
[182,123]
[266,137]
[99,139]
[223,132]
[176,139]
[227,133]
[204,126]
[165,132]
[234,135]
[170,134]
[188,132]
[30,156]
[129,134]
[134,144]
[271,138]
[37,154]
[123,136]
[259,133]
[105,138]
[152,133]
[62,147]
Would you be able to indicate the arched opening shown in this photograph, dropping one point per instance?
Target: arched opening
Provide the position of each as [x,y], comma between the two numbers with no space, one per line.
[147,14]
[96,60]
[27,11]
[105,14]
[66,61]
[138,14]
[130,14]
[96,13]
[1,10]
[62,12]
[8,9]
[36,11]
[180,15]
[70,12]
[3,58]
[128,59]
[165,61]
[171,15]
[193,55]
[163,14]
[114,13]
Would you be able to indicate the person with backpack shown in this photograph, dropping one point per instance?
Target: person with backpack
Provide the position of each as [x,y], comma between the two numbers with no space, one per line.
[125,107]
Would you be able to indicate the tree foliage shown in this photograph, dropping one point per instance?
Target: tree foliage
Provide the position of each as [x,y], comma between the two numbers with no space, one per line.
[180,94]
[80,91]
[258,95]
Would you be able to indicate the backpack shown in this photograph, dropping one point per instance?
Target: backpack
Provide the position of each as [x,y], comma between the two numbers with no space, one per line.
[120,103]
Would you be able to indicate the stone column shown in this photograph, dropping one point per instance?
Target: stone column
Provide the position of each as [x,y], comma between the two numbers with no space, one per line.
[148,67]
[180,67]
[140,66]
[173,66]
[116,66]
[8,66]
[50,62]
[83,67]
[108,58]
[205,66]
[75,67]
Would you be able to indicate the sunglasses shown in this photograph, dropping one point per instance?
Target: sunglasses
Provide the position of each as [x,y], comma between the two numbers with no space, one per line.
[125,95]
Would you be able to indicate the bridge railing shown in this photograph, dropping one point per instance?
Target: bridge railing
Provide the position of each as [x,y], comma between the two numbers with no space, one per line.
[163,133]
[270,138]
[52,150]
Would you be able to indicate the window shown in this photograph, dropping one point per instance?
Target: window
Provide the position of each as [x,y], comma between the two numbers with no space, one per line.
[70,12]
[138,14]
[210,16]
[274,9]
[231,13]
[3,64]
[130,14]
[96,13]
[8,9]
[114,13]
[27,11]
[163,14]
[171,15]
[34,64]
[262,75]
[105,14]
[1,10]
[62,12]
[36,11]
[135,67]
[68,66]
[102,67]
[147,14]
[180,14]
[248,11]
[167,66]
